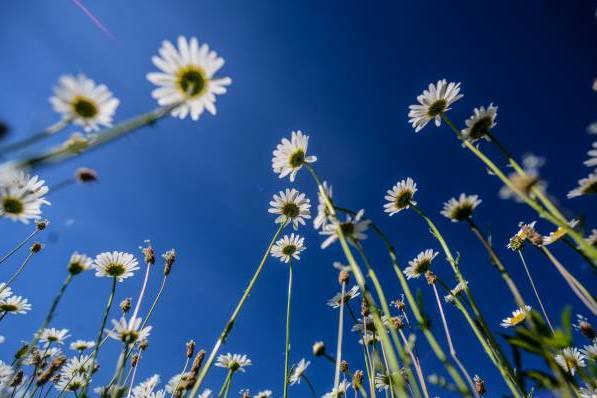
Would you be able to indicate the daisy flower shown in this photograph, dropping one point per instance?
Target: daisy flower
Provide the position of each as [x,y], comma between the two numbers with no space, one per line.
[318,348]
[263,394]
[586,186]
[186,77]
[81,345]
[365,324]
[340,392]
[15,305]
[480,123]
[290,156]
[382,381]
[79,263]
[233,362]
[80,100]
[176,383]
[339,299]
[115,264]
[323,214]
[288,247]
[298,370]
[128,331]
[70,383]
[559,233]
[518,316]
[592,161]
[590,351]
[420,264]
[5,291]
[434,101]
[462,208]
[146,387]
[592,238]
[6,372]
[588,391]
[400,196]
[291,206]
[341,267]
[353,228]
[53,335]
[21,197]
[79,365]
[458,289]
[569,359]
[584,326]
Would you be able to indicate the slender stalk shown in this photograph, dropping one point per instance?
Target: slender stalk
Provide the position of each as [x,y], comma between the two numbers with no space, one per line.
[416,363]
[48,132]
[141,293]
[61,185]
[19,245]
[224,387]
[579,290]
[339,340]
[287,341]
[100,333]
[17,272]
[155,302]
[524,263]
[310,385]
[230,323]
[385,361]
[184,369]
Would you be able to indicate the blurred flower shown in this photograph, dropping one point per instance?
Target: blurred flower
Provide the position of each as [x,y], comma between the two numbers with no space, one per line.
[115,264]
[592,161]
[588,391]
[592,238]
[79,263]
[22,196]
[53,335]
[81,345]
[353,228]
[129,331]
[559,233]
[323,214]
[586,186]
[80,100]
[298,370]
[382,381]
[263,394]
[290,156]
[518,316]
[400,196]
[186,77]
[340,391]
[292,206]
[288,247]
[462,208]
[458,289]
[584,326]
[339,299]
[480,123]
[6,372]
[569,359]
[433,103]
[527,181]
[420,264]
[233,362]
[590,351]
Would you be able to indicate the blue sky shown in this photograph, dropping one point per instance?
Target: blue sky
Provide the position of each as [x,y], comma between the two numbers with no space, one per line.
[344,72]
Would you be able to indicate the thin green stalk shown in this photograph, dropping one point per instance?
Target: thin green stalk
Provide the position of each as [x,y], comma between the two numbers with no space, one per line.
[524,263]
[416,363]
[155,302]
[287,341]
[224,387]
[19,245]
[184,369]
[230,323]
[17,272]
[541,212]
[100,333]
[311,389]
[332,360]
[48,132]
[339,340]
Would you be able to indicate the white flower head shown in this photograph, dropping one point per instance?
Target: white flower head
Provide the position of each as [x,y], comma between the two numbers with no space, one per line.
[15,305]
[570,358]
[263,394]
[400,196]
[420,264]
[82,101]
[592,238]
[233,362]
[5,291]
[434,101]
[462,208]
[340,392]
[81,345]
[458,289]
[78,263]
[592,161]
[186,77]
[340,299]
[586,186]
[518,316]
[291,155]
[288,247]
[291,207]
[6,372]
[590,350]
[559,233]
[298,370]
[129,331]
[53,335]
[115,264]
[480,123]
[588,391]
[22,196]
[78,365]
[146,388]
[70,383]
[382,381]
[323,214]
[353,228]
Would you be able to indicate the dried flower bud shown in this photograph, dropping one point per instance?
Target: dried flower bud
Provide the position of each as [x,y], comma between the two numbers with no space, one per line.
[357,380]
[126,304]
[190,348]
[343,277]
[399,304]
[143,344]
[41,224]
[343,366]
[148,254]
[85,174]
[245,394]
[197,362]
[584,326]
[516,243]
[431,277]
[479,385]
[318,348]
[396,322]
[169,259]
[56,364]
[134,360]
[17,379]
[36,247]
[364,308]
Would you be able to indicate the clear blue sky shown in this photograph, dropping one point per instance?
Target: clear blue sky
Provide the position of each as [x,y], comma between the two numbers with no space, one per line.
[344,72]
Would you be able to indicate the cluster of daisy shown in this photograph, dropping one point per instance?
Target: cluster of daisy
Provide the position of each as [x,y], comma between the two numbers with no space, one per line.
[22,196]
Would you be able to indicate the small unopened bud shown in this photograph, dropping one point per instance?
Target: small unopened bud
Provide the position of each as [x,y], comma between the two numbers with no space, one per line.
[584,326]
[197,362]
[431,277]
[343,366]
[148,253]
[134,360]
[364,308]
[357,380]
[479,385]
[85,174]
[36,247]
[169,259]
[245,394]
[143,344]
[126,304]
[190,348]
[396,322]
[41,224]
[399,304]
[343,277]
[17,379]
[52,368]
[318,348]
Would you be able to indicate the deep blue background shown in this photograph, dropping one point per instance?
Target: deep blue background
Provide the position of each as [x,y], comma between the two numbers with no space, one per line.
[343,71]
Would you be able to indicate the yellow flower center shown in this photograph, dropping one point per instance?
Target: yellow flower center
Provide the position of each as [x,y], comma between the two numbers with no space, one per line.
[114,269]
[518,318]
[192,81]
[297,159]
[13,206]
[84,107]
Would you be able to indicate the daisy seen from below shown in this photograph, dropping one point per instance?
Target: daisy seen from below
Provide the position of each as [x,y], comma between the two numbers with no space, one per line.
[590,350]
[480,123]
[592,238]
[288,247]
[323,214]
[5,291]
[400,196]
[462,208]
[291,207]
[6,373]
[291,155]
[559,233]
[592,161]
[340,392]
[458,289]
[382,381]
[420,264]
[233,362]
[298,371]
[14,305]
[588,391]
[353,228]
[518,316]
[81,345]
[78,263]
[115,264]
[81,101]
[53,335]
[586,186]
[434,101]
[129,331]
[570,358]
[186,77]
[263,394]
[339,298]
[22,196]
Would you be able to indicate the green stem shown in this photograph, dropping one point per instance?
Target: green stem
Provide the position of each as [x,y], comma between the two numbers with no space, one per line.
[48,132]
[225,384]
[287,341]
[524,263]
[19,245]
[17,272]
[230,323]
[339,340]
[313,393]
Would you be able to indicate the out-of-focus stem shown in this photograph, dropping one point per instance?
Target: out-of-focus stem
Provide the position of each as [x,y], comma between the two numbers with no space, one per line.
[524,263]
